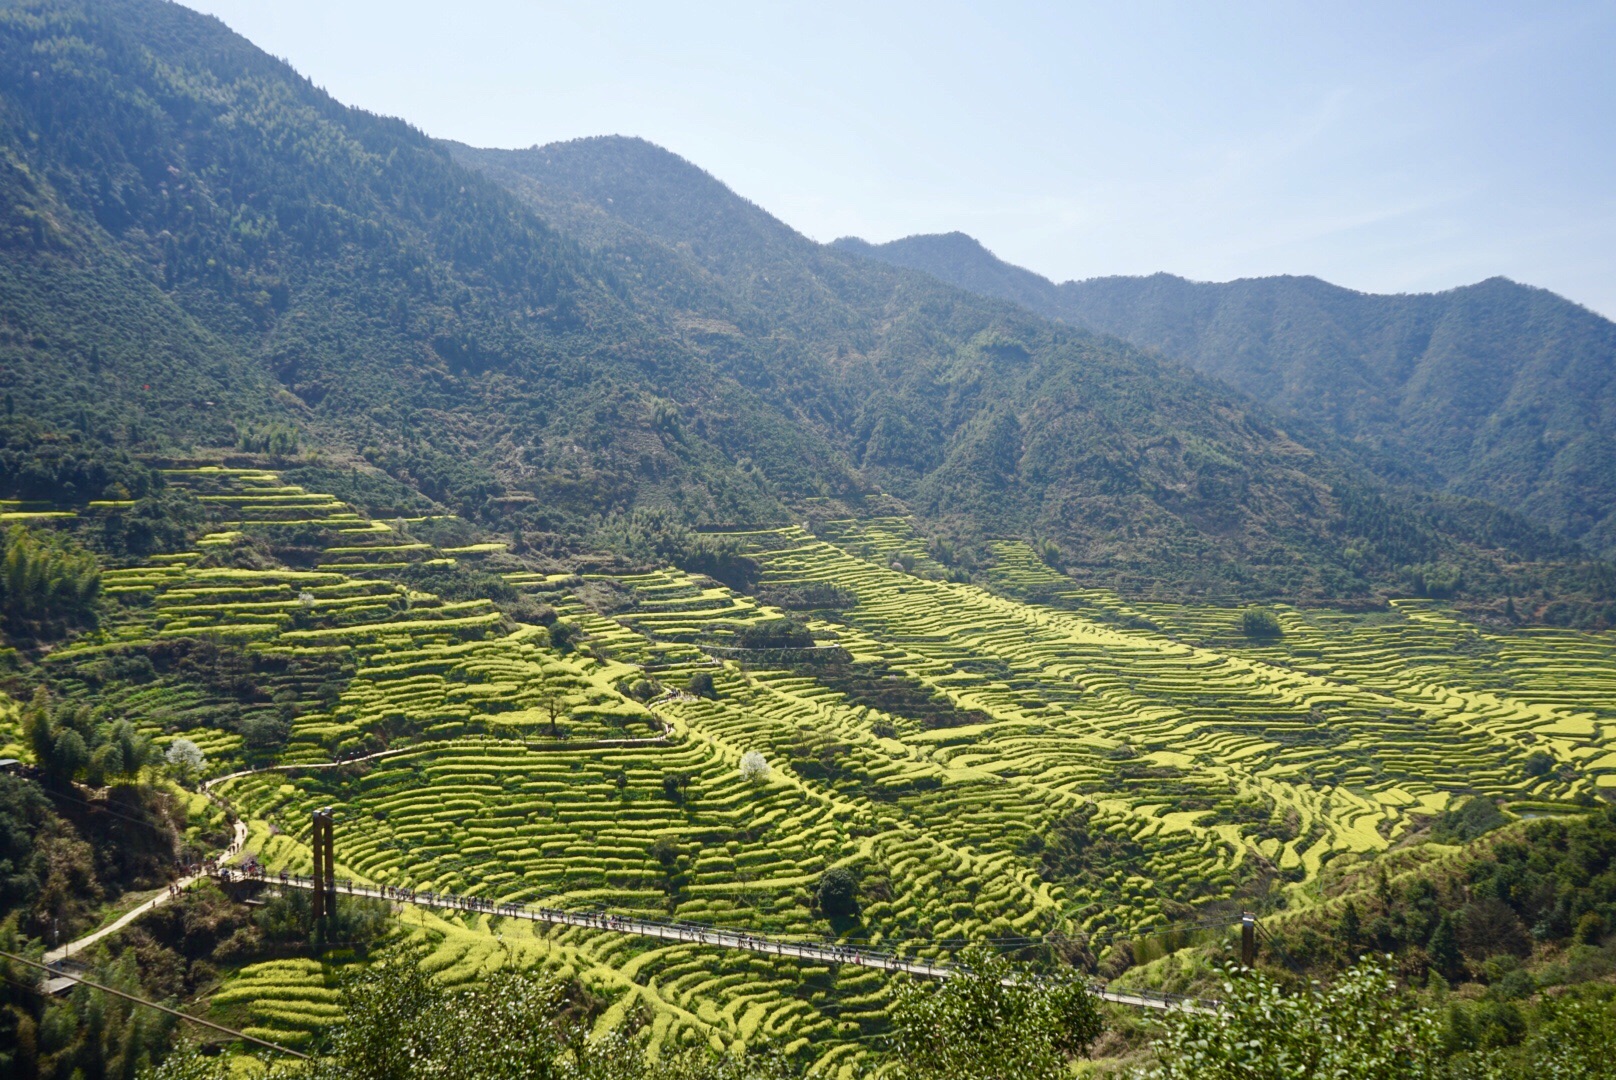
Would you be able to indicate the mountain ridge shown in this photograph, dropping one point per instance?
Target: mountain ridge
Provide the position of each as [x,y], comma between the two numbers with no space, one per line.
[1495,390]
[550,342]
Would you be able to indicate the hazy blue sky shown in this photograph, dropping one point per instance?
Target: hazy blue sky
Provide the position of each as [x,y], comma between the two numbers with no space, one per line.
[1384,146]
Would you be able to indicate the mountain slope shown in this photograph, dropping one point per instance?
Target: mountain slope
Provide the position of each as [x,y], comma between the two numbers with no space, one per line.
[558,336]
[359,282]
[1495,390]
[976,411]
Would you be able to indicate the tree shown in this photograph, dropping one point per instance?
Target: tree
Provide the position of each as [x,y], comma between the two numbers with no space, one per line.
[1351,925]
[675,786]
[554,705]
[47,582]
[754,767]
[836,896]
[1260,623]
[1443,949]
[68,756]
[186,759]
[1359,1028]
[992,1020]
[563,635]
[701,685]
[266,732]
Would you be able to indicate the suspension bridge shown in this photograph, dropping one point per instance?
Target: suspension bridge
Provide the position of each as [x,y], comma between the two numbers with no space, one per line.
[692,933]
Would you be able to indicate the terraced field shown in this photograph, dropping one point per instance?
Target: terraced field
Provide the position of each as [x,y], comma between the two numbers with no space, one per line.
[1017,760]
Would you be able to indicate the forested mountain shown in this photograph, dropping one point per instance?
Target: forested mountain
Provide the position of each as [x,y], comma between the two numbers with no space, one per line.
[195,225]
[206,250]
[1496,390]
[978,414]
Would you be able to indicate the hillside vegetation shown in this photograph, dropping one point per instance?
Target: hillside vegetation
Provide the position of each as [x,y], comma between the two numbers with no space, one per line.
[1496,391]
[208,252]
[584,537]
[991,422]
[1072,777]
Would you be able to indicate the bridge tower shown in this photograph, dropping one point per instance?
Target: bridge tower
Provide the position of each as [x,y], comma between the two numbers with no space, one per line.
[325,873]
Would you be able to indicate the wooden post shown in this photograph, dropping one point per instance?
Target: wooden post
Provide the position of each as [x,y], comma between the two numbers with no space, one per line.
[1248,940]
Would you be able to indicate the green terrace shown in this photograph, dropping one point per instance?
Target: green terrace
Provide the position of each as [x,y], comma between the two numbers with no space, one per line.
[1005,760]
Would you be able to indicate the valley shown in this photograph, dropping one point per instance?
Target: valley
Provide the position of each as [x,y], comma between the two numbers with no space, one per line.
[1185,769]
[705,639]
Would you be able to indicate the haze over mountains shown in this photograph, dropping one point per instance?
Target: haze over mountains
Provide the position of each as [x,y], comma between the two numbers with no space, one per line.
[199,241]
[1496,390]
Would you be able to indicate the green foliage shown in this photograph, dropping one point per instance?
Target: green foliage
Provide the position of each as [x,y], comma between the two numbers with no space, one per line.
[974,414]
[1360,1027]
[1426,372]
[1469,820]
[807,596]
[836,895]
[401,1025]
[288,919]
[1439,580]
[25,814]
[594,344]
[276,440]
[70,741]
[1555,883]
[775,634]
[60,860]
[48,583]
[1572,1037]
[1538,763]
[90,1034]
[657,537]
[1260,623]
[993,1021]
[40,464]
[882,687]
[1075,851]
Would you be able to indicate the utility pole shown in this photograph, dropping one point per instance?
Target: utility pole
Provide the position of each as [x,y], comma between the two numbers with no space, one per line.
[1248,940]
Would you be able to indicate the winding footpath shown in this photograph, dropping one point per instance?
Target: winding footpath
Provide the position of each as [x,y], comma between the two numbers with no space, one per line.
[169,892]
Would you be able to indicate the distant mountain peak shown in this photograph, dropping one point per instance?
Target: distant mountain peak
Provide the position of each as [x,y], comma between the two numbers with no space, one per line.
[961,260]
[1496,389]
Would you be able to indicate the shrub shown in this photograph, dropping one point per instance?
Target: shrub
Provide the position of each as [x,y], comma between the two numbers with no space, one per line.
[776,634]
[1260,623]
[1463,824]
[988,1022]
[1361,1026]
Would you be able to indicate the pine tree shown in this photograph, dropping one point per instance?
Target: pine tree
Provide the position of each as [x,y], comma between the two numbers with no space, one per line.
[1444,949]
[1351,926]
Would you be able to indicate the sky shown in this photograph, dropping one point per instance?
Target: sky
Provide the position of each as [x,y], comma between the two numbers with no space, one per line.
[1388,147]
